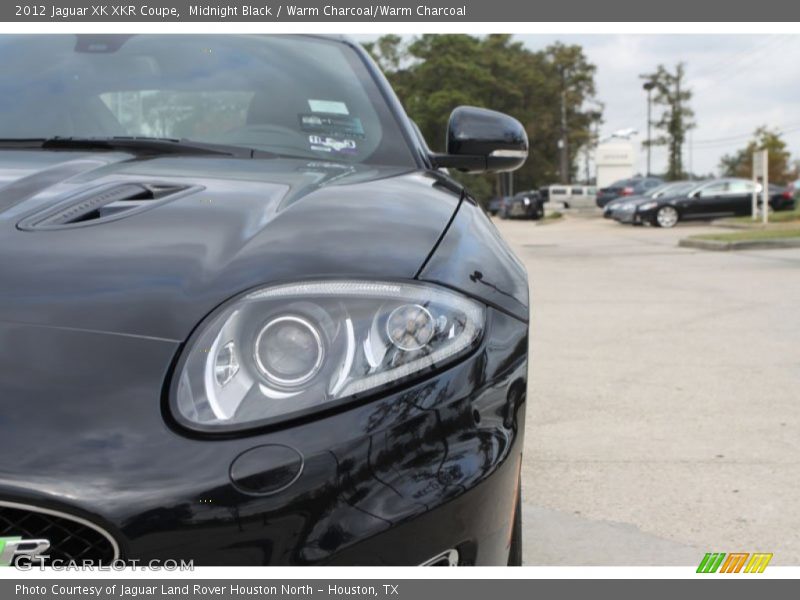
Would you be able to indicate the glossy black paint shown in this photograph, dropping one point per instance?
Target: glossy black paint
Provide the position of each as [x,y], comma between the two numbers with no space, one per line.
[483,140]
[102,449]
[474,258]
[94,318]
[252,221]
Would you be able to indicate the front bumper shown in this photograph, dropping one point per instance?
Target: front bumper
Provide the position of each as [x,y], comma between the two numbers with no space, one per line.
[394,480]
[783,204]
[627,217]
[601,201]
[522,211]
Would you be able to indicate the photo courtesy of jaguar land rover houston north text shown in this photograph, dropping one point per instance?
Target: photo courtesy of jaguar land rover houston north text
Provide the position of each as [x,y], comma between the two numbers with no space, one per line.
[246,315]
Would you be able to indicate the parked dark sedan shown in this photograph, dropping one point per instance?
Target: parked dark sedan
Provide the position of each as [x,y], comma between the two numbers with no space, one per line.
[523,205]
[674,188]
[245,318]
[714,199]
[783,197]
[636,186]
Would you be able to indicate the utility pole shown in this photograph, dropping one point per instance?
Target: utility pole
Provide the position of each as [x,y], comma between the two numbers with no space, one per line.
[562,143]
[505,184]
[594,136]
[587,153]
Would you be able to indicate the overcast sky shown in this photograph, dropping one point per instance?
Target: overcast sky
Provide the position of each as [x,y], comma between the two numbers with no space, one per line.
[739,82]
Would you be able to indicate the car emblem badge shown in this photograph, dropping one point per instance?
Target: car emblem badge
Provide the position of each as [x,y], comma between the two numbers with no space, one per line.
[13,547]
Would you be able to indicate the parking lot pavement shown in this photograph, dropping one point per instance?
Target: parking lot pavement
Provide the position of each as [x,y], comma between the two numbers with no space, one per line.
[664,402]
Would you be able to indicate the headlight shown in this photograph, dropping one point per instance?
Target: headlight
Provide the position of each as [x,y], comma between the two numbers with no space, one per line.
[648,205]
[286,351]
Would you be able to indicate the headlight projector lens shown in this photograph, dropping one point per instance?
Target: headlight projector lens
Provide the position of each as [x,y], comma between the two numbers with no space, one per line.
[410,327]
[289,351]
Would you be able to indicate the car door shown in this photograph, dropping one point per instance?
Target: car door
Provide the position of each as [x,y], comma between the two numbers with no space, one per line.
[740,197]
[709,202]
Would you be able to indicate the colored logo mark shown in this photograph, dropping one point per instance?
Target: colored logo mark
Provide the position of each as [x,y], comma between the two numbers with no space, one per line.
[13,547]
[734,562]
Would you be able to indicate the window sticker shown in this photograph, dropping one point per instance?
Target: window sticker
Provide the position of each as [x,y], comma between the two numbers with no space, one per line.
[329,144]
[331,124]
[328,106]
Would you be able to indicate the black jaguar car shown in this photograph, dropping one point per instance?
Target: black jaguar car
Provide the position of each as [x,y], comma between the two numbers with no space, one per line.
[246,317]
[523,205]
[614,209]
[725,197]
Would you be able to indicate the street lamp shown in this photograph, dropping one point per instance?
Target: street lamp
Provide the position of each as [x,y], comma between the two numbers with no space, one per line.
[648,86]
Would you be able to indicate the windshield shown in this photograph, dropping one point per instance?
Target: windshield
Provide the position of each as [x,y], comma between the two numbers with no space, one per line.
[671,189]
[287,95]
[622,183]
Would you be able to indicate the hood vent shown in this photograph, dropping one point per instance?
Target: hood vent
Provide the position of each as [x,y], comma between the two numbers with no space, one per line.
[107,203]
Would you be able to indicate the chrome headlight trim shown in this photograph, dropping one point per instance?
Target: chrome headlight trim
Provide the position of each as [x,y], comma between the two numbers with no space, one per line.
[358,357]
[317,363]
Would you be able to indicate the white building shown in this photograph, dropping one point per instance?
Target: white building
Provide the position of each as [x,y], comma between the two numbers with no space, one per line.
[614,160]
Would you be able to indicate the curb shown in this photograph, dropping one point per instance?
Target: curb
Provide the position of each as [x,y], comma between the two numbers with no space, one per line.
[757,226]
[551,220]
[740,245]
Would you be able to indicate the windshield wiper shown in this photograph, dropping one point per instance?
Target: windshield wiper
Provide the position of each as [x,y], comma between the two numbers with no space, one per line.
[135,145]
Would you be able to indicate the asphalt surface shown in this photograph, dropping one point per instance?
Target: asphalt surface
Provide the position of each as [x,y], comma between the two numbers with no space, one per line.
[664,401]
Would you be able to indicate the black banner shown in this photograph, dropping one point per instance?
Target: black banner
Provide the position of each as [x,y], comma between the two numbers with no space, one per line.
[393,589]
[401,11]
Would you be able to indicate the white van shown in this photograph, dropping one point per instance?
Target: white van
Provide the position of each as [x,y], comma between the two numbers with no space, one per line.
[571,196]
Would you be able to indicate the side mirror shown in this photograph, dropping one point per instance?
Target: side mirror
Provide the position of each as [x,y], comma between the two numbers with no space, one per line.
[483,140]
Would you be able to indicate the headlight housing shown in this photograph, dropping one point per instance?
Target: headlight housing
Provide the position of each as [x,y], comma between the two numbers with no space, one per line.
[648,205]
[285,351]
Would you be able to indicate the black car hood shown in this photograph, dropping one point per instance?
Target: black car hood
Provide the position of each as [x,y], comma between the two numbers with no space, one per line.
[659,200]
[637,200]
[157,272]
[625,199]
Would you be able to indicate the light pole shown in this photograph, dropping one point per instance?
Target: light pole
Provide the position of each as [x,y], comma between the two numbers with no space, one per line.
[648,87]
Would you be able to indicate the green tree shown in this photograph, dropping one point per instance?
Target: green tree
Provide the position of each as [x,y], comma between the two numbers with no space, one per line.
[574,78]
[433,74]
[388,52]
[672,93]
[740,163]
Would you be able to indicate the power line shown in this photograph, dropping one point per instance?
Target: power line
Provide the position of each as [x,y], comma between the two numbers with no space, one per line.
[727,59]
[746,62]
[781,130]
